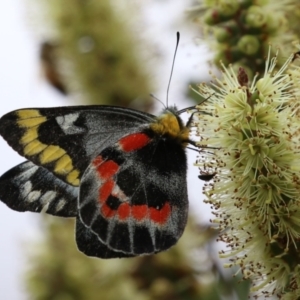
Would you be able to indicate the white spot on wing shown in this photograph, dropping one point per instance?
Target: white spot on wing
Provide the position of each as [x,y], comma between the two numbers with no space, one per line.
[33,196]
[25,175]
[66,123]
[61,203]
[28,194]
[26,189]
[47,197]
[26,166]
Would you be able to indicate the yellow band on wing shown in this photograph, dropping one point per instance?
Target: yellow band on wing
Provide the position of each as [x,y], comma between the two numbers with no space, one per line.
[30,120]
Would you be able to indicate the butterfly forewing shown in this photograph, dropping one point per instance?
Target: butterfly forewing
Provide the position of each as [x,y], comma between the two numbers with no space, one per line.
[65,139]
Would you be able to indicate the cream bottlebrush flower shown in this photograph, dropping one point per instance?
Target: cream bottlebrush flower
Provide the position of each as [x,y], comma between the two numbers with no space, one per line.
[254,131]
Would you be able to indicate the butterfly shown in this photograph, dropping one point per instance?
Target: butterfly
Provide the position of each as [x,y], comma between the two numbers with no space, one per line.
[120,172]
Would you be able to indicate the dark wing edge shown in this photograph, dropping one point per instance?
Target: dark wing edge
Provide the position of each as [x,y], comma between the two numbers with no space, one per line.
[89,244]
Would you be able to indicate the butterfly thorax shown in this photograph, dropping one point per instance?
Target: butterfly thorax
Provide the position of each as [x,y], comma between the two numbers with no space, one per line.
[170,124]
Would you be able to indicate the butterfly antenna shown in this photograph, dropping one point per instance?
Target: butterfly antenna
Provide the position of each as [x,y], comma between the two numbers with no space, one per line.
[155,98]
[176,47]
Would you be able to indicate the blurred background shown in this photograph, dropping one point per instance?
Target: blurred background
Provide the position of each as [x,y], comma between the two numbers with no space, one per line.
[59,53]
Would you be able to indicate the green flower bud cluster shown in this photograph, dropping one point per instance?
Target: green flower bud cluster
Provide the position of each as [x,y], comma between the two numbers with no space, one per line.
[243,31]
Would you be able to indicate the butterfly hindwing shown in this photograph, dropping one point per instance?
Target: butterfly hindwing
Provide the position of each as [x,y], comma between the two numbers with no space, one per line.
[28,187]
[65,139]
[89,243]
[133,195]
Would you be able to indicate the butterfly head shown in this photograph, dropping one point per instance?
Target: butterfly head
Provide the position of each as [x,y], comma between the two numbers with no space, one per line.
[170,124]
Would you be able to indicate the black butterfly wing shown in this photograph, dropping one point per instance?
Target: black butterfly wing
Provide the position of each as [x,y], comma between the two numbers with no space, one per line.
[65,139]
[133,197]
[28,187]
[89,243]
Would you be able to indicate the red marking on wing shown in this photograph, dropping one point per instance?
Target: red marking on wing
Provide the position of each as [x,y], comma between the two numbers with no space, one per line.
[139,212]
[160,216]
[107,212]
[124,211]
[105,190]
[98,161]
[134,141]
[107,169]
